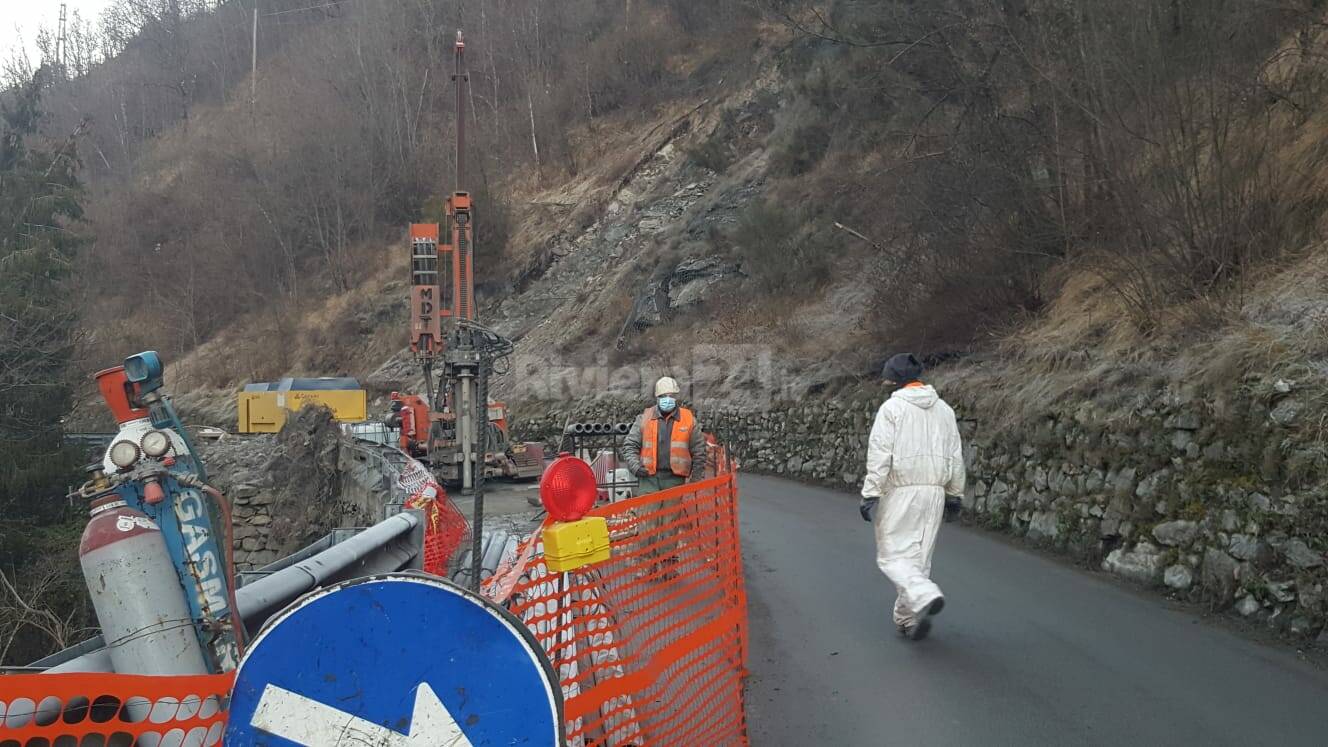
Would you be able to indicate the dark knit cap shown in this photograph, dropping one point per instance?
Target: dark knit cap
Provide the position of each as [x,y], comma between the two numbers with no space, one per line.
[902,368]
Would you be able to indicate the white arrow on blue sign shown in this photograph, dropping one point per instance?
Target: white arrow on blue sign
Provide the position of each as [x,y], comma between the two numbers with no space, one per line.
[394,661]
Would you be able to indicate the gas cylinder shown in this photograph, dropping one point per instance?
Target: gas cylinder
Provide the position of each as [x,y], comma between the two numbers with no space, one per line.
[136,593]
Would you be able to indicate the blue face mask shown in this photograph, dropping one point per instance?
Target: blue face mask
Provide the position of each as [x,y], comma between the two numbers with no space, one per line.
[666,404]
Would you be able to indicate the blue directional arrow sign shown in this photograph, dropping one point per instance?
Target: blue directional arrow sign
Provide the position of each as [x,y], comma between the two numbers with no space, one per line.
[394,661]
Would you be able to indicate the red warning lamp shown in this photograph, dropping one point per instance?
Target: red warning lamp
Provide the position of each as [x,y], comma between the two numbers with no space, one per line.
[568,489]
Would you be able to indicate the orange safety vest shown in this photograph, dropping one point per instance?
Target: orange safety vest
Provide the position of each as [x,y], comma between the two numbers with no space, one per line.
[680,448]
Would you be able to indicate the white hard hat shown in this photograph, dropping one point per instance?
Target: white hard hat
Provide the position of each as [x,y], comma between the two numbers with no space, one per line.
[666,385]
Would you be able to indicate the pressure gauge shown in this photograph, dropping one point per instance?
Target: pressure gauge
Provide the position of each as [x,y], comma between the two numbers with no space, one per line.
[124,454]
[156,443]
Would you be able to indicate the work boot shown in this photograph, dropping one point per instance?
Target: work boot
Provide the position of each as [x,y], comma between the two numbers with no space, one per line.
[920,629]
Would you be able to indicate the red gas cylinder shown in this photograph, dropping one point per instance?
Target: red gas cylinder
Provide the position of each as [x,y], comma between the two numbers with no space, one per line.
[136,593]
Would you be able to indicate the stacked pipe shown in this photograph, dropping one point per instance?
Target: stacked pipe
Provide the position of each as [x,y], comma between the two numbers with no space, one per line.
[597,429]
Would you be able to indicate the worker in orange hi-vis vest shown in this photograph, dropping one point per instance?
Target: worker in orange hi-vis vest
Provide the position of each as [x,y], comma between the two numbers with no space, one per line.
[665,449]
[666,446]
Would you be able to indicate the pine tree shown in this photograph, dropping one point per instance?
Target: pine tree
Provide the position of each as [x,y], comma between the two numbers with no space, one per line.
[40,209]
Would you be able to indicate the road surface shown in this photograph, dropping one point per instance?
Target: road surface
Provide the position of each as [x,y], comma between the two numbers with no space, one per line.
[1027,651]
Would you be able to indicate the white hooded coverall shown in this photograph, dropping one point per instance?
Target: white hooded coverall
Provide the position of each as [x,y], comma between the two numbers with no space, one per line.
[914,459]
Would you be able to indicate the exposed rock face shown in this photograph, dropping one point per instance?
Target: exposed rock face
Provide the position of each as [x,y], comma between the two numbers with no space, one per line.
[1234,509]
[687,284]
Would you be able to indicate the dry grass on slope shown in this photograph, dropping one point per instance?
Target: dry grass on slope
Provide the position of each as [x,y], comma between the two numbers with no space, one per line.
[1085,348]
[349,333]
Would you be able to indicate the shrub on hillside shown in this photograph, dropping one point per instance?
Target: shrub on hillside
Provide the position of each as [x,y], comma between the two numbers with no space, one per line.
[780,249]
[801,149]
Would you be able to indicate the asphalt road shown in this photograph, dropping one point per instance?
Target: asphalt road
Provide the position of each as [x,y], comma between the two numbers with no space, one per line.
[1027,651]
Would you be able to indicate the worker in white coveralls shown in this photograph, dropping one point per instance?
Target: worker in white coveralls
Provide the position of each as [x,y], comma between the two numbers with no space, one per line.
[914,460]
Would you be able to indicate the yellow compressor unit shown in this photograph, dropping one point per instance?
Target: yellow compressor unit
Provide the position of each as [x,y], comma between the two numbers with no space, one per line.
[263,408]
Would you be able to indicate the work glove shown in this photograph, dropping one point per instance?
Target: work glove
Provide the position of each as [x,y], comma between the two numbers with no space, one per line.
[954,505]
[867,507]
[641,472]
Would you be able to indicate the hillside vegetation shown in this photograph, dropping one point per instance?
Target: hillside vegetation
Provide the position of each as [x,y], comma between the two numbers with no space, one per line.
[931,175]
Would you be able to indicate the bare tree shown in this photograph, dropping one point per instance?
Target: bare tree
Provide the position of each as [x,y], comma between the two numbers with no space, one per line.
[25,610]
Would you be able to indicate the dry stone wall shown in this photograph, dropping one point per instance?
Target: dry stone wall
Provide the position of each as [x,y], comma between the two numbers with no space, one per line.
[1221,500]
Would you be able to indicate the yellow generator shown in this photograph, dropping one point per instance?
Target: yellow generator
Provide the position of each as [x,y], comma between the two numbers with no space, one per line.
[263,407]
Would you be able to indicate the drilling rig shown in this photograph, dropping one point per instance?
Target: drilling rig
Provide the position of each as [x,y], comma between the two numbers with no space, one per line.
[453,425]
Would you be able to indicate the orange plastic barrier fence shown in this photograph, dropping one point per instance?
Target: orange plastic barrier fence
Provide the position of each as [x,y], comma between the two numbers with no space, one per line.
[444,525]
[444,529]
[650,645]
[112,710]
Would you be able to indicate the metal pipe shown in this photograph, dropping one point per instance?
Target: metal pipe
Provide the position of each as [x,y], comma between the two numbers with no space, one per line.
[417,537]
[466,435]
[282,587]
[461,77]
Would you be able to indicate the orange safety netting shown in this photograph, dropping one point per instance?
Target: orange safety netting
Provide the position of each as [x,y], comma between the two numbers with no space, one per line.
[651,644]
[444,529]
[112,709]
[444,525]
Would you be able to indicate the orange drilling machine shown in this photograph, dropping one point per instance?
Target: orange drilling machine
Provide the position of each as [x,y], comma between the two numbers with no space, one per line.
[454,426]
